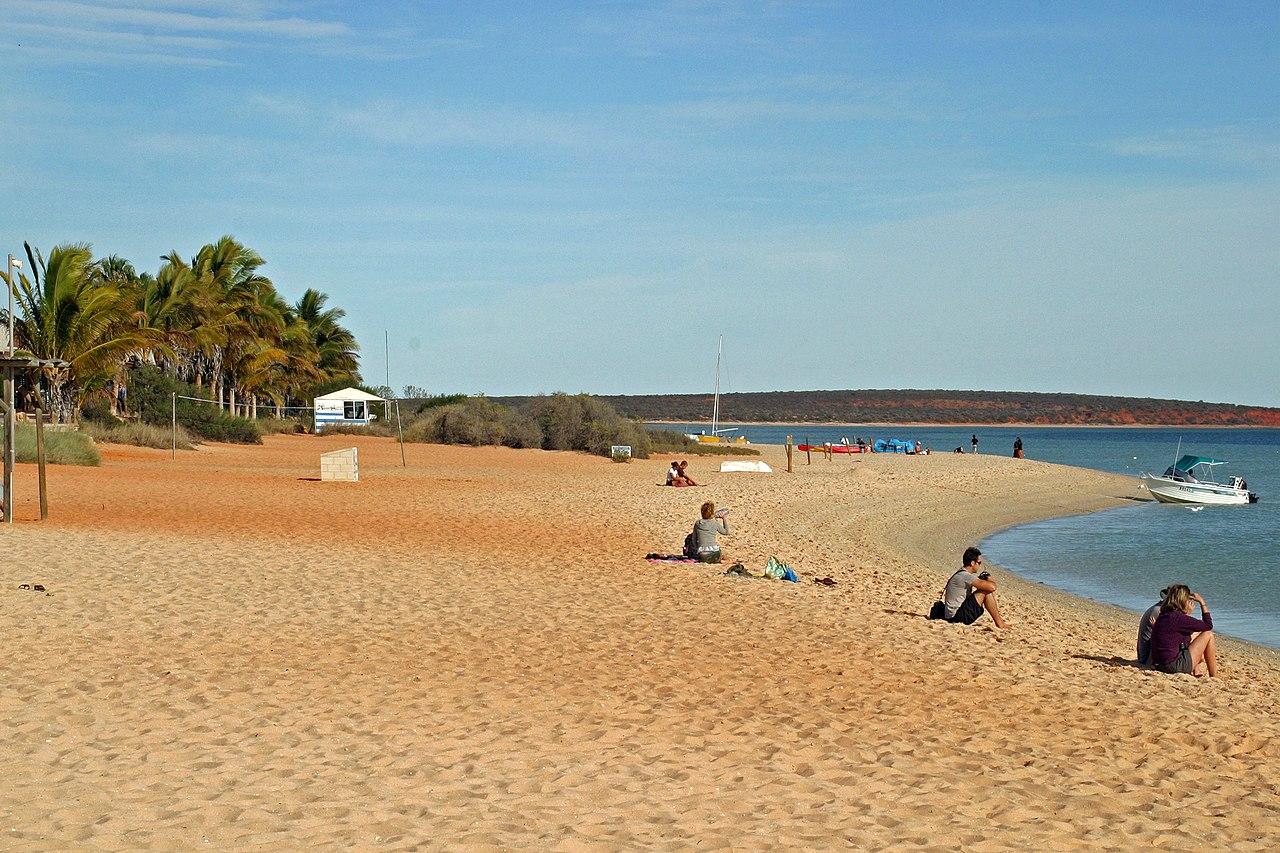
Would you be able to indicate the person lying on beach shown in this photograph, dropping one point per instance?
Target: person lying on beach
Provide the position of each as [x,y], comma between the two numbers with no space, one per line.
[968,593]
[1180,643]
[1145,625]
[701,544]
[684,472]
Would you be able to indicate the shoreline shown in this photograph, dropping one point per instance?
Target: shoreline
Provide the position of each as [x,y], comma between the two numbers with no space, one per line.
[941,425]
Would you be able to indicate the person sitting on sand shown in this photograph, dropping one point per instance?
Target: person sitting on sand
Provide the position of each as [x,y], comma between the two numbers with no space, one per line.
[968,594]
[684,472]
[1145,626]
[701,543]
[675,476]
[1180,643]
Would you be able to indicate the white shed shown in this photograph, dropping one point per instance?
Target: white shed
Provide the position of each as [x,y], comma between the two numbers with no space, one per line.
[348,407]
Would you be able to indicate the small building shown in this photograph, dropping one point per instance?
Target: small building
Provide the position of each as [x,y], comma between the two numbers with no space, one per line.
[348,407]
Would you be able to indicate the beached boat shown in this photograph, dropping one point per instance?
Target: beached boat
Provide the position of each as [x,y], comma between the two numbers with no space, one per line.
[716,435]
[1181,484]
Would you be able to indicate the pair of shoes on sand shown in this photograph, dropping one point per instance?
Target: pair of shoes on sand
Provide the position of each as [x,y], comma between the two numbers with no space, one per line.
[37,587]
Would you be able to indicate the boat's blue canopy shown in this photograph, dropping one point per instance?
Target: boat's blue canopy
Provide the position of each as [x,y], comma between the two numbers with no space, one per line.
[1186,463]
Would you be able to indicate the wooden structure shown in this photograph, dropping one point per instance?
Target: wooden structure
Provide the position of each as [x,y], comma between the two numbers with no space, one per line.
[13,366]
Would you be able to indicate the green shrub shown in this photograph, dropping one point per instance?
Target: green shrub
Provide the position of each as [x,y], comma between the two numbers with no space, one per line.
[276,426]
[670,441]
[438,400]
[583,422]
[135,433]
[379,428]
[97,409]
[60,448]
[151,390]
[475,421]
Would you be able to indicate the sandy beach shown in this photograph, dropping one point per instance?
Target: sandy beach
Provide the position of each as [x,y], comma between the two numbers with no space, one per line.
[471,651]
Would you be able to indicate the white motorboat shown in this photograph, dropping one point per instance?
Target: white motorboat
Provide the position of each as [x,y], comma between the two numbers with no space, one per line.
[1180,484]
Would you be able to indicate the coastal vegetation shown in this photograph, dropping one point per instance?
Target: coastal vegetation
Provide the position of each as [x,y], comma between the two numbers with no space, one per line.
[214,325]
[60,447]
[913,406]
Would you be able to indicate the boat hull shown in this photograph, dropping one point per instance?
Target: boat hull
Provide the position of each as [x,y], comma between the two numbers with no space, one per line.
[1171,492]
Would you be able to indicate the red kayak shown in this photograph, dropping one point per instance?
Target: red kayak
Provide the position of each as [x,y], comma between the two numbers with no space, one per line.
[834,448]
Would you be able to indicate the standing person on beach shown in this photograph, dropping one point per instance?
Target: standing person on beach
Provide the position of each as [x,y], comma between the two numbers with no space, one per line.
[1180,643]
[973,439]
[968,594]
[703,538]
[1017,447]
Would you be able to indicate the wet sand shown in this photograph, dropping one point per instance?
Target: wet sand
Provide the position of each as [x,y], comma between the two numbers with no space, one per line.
[471,651]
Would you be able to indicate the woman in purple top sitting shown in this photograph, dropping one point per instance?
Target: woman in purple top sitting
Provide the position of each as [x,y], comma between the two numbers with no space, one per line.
[1179,641]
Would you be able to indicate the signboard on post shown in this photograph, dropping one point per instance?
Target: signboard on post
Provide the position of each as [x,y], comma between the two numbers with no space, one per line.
[620,452]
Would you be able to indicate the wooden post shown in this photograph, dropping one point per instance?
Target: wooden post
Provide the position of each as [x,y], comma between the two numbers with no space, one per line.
[790,448]
[400,429]
[44,489]
[10,424]
[173,416]
[808,452]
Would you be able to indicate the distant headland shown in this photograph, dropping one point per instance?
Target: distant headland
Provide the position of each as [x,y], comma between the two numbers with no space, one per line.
[937,407]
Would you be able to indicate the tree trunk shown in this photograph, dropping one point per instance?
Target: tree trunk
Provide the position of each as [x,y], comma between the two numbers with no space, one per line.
[231,398]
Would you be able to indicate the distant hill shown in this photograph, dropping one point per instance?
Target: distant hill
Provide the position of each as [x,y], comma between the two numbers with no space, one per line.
[979,407]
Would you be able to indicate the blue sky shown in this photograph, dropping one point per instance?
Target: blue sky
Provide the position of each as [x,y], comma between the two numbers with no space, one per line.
[580,197]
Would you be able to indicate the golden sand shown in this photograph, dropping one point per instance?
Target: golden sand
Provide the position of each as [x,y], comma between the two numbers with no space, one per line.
[471,651]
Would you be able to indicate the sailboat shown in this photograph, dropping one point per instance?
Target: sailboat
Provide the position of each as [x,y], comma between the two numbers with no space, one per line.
[716,436]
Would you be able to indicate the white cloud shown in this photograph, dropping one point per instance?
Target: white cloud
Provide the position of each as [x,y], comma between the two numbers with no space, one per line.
[133,15]
[198,32]
[1230,144]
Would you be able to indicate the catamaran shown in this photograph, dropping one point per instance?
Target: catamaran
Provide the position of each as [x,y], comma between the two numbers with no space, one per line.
[716,436]
[1180,484]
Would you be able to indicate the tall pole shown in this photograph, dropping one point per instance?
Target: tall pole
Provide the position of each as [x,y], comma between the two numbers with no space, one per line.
[173,415]
[386,361]
[715,407]
[10,420]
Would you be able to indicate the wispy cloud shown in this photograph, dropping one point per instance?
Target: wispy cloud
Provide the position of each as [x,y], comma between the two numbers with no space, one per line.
[195,32]
[1224,145]
[171,19]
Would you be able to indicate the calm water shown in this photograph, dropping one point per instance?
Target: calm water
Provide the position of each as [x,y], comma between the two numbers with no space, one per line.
[1231,555]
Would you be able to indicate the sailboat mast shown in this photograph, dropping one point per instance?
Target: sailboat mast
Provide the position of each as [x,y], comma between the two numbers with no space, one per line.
[715,407]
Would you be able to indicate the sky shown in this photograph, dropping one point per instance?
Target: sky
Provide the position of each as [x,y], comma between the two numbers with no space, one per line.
[528,198]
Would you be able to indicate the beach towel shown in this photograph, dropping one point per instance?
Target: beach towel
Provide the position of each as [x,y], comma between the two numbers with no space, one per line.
[668,558]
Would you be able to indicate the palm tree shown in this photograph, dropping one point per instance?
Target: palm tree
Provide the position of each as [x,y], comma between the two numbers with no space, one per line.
[69,311]
[336,348]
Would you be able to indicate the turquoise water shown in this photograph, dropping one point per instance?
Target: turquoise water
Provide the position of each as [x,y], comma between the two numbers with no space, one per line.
[1231,555]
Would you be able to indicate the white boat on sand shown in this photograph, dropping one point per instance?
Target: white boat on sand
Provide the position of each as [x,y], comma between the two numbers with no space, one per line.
[1180,484]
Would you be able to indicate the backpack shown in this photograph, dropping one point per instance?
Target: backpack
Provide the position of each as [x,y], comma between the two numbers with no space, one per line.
[690,546]
[938,611]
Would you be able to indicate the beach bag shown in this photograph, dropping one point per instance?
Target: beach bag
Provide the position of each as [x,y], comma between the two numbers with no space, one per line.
[779,570]
[938,611]
[690,549]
